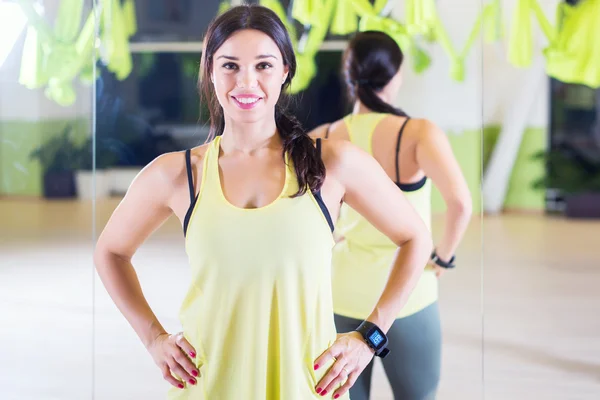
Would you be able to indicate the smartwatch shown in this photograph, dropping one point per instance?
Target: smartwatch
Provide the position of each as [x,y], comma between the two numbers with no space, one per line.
[438,261]
[374,337]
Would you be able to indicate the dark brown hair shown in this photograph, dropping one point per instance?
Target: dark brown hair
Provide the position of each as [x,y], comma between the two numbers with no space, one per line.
[371,60]
[310,170]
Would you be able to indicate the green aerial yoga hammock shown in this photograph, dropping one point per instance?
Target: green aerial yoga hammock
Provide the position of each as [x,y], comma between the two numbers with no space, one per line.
[420,16]
[308,48]
[574,55]
[224,6]
[372,21]
[54,58]
[489,15]
[306,11]
[345,19]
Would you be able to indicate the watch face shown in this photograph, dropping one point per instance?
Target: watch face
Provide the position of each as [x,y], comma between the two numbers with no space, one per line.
[376,338]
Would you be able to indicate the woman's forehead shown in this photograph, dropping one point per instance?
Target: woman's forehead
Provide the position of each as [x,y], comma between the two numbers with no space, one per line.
[249,44]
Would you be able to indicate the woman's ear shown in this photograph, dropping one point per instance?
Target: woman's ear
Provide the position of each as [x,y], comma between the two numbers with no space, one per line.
[286,71]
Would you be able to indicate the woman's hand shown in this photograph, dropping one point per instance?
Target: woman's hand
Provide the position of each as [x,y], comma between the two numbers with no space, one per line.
[351,355]
[171,353]
[439,271]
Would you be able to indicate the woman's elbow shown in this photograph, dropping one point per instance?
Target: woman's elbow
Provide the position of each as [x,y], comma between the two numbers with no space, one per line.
[101,255]
[461,206]
[104,257]
[422,240]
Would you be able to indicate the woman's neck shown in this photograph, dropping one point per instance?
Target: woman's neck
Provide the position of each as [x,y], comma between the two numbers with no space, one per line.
[249,137]
[360,108]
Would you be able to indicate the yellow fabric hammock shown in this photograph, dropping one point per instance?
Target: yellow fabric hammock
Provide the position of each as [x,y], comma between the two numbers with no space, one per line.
[572,55]
[53,58]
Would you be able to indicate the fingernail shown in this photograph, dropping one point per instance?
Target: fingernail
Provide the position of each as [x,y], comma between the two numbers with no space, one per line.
[180,386]
[336,396]
[192,354]
[319,390]
[316,366]
[195,373]
[192,381]
[324,393]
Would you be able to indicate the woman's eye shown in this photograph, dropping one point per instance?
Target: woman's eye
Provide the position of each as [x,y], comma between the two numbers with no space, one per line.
[229,66]
[264,65]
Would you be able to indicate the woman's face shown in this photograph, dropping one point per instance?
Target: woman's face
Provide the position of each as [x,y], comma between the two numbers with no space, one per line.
[247,75]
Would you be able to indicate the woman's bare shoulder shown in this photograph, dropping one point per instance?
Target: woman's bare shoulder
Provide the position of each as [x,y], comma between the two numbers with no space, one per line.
[169,169]
[335,128]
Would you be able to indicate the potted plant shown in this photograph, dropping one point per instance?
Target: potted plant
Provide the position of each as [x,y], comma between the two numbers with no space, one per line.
[87,188]
[577,180]
[57,157]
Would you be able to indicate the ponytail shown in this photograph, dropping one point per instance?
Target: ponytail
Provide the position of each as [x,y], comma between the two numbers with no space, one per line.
[371,61]
[368,96]
[309,167]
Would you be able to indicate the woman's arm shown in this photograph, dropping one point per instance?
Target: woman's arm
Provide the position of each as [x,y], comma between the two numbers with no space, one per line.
[435,157]
[143,209]
[372,193]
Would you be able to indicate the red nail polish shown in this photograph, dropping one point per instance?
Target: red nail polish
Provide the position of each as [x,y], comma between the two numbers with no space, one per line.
[195,373]
[324,393]
[193,382]
[180,386]
[316,367]
[319,390]
[192,354]
[336,396]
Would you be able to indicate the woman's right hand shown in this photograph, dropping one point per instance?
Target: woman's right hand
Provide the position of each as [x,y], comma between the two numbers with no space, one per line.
[172,355]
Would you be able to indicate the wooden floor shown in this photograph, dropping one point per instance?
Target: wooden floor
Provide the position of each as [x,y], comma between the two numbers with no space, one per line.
[521,315]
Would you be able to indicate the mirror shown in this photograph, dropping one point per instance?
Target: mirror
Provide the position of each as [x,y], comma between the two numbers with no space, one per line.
[46,209]
[540,197]
[149,106]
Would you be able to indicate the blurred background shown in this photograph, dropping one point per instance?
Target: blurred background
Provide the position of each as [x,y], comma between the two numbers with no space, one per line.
[92,91]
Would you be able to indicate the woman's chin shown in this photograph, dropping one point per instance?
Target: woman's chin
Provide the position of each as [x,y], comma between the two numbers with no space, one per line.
[248,116]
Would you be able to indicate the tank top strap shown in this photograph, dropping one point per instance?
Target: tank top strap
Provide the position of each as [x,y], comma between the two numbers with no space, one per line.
[361,128]
[397,158]
[210,181]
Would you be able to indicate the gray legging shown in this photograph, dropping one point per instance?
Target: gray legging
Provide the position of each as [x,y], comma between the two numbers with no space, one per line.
[413,365]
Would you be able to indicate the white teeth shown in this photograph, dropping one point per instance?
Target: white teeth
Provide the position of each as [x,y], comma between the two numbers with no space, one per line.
[248,100]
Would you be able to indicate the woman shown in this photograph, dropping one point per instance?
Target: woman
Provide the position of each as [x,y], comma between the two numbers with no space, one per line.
[256,205]
[413,152]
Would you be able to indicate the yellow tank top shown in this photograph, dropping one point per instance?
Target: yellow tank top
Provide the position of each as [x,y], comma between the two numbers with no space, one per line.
[258,310]
[361,262]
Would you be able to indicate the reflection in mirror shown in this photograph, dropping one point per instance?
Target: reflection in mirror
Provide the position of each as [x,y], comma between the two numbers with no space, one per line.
[46,271]
[150,108]
[541,200]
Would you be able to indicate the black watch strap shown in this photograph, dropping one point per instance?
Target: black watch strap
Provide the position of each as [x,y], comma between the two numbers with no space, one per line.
[368,331]
[444,264]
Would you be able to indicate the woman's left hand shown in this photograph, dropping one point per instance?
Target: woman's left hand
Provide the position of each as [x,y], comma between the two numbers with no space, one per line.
[351,355]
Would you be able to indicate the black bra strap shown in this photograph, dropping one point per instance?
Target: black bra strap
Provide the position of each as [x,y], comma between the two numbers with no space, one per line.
[398,149]
[327,131]
[319,198]
[190,175]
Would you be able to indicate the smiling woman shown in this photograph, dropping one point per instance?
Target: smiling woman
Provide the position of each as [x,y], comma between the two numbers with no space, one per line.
[236,79]
[257,209]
